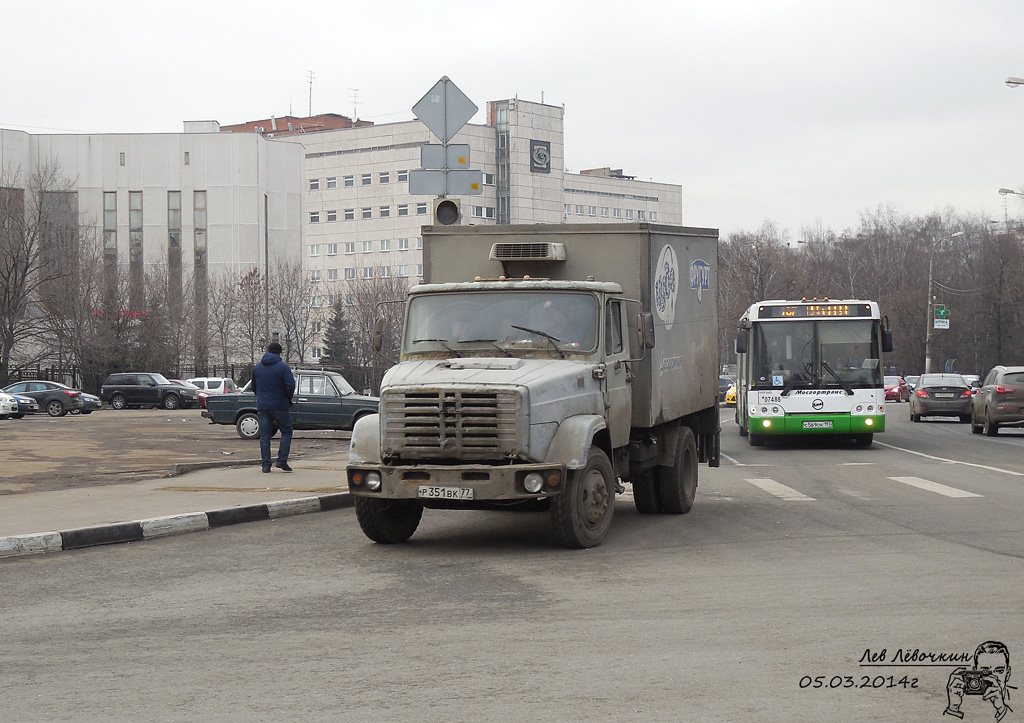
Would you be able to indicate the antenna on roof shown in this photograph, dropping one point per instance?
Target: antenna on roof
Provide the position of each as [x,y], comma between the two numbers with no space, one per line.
[311,77]
[355,103]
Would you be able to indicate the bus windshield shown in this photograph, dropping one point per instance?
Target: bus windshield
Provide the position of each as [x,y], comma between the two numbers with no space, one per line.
[816,354]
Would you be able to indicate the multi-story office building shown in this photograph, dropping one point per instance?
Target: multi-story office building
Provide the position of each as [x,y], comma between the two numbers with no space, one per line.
[361,220]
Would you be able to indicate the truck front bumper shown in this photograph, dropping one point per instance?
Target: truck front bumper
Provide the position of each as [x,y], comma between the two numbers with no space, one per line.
[468,482]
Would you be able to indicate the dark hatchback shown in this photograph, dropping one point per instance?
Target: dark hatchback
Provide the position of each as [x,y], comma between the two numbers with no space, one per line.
[322,400]
[941,395]
[53,397]
[146,389]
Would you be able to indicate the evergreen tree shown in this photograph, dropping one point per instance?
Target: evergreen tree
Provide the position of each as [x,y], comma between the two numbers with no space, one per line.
[339,348]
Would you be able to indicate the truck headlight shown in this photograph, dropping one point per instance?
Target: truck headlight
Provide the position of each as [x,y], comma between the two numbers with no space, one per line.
[373,481]
[533,482]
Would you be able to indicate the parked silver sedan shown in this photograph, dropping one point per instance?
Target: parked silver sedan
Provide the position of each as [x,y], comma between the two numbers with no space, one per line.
[999,402]
[941,395]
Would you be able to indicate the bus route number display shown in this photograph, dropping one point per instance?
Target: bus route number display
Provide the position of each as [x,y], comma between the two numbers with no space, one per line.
[794,311]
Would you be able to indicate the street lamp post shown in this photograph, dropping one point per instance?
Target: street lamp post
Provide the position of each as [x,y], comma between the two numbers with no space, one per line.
[930,320]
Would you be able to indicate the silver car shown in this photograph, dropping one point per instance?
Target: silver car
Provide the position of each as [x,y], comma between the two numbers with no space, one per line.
[999,402]
[941,395]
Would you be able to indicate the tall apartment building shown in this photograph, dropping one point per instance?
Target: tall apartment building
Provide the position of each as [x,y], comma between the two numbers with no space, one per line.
[361,220]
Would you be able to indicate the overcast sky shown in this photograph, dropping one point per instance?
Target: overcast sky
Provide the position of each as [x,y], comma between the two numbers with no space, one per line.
[801,112]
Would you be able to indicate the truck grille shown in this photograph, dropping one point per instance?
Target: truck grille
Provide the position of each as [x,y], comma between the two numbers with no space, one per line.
[452,424]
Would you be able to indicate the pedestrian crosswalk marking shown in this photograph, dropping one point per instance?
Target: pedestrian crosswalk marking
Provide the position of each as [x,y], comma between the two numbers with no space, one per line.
[780,490]
[933,487]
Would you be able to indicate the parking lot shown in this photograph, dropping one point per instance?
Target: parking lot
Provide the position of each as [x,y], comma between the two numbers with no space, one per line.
[43,453]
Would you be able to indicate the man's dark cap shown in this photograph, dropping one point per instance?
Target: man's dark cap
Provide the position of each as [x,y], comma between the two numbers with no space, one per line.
[274,348]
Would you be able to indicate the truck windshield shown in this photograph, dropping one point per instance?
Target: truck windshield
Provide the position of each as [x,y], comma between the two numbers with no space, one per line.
[816,354]
[473,321]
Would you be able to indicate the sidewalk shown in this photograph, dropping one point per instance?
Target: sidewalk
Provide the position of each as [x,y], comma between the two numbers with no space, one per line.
[191,498]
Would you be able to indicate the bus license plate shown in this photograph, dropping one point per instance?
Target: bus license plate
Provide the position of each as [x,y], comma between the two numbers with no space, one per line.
[827,424]
[445,493]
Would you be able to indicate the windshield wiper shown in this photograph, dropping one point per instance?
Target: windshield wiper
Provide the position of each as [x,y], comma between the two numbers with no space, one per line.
[846,387]
[800,377]
[553,341]
[492,342]
[442,342]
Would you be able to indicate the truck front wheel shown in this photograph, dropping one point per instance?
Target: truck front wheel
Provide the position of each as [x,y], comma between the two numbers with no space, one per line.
[582,514]
[677,485]
[388,521]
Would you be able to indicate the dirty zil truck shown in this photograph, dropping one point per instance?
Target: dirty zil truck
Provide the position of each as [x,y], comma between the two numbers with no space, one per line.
[545,367]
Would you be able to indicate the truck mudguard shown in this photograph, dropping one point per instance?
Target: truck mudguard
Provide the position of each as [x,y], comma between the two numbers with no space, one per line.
[571,444]
[365,447]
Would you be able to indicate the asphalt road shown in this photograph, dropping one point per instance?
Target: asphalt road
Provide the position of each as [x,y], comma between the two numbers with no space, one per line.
[798,562]
[43,453]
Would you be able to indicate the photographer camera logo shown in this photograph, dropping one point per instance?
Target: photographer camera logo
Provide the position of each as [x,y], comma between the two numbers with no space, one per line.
[988,680]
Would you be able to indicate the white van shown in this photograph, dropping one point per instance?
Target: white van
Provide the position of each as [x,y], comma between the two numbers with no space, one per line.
[215,385]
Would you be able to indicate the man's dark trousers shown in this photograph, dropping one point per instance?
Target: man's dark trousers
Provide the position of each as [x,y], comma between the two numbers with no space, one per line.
[282,418]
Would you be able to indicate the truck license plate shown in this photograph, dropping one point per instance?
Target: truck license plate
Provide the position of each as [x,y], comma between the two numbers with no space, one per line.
[445,493]
[827,424]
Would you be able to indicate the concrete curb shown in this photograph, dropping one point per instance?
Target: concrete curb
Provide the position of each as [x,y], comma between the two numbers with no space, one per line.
[43,542]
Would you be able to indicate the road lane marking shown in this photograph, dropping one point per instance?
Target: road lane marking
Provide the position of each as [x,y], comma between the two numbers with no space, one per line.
[780,490]
[952,461]
[741,464]
[933,487]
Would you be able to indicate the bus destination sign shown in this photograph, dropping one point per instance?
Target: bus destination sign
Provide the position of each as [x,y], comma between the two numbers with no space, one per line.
[791,311]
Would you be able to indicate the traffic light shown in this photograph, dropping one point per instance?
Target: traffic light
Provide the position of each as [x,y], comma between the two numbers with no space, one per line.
[447,211]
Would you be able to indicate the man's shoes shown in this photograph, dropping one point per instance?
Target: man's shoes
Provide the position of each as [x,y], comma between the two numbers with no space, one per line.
[284,466]
[266,469]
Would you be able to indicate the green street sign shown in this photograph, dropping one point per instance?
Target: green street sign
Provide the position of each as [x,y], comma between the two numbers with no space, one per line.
[941,312]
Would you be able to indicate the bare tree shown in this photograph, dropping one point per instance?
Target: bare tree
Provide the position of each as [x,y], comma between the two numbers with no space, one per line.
[295,300]
[251,327]
[224,308]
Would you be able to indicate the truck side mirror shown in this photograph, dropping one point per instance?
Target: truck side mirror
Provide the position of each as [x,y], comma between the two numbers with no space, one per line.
[742,341]
[645,330]
[886,340]
[378,334]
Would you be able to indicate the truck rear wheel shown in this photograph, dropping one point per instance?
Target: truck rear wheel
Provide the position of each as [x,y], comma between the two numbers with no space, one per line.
[645,494]
[582,514]
[388,521]
[677,485]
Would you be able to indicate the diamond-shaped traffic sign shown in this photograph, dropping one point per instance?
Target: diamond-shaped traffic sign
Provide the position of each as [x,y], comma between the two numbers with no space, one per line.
[445,109]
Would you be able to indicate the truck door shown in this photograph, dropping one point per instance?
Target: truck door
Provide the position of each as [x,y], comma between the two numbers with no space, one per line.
[618,389]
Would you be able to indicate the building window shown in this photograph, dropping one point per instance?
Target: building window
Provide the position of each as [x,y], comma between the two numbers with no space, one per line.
[385,211]
[367,179]
[187,158]
[403,271]
[384,177]
[579,210]
[654,215]
[332,274]
[316,327]
[403,244]
[367,213]
[367,272]
[332,249]
[349,181]
[421,209]
[314,250]
[314,217]
[314,275]
[385,272]
[350,214]
[332,216]
[403,209]
[350,274]
[403,176]
[617,213]
[110,220]
[385,244]
[314,184]
[604,212]
[122,158]
[419,246]
[629,214]
[483,211]
[568,209]
[419,270]
[316,352]
[367,247]
[591,210]
[640,215]
[350,247]
[332,181]
[488,179]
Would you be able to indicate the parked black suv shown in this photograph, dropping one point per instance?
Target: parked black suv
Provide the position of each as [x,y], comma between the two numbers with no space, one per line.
[143,389]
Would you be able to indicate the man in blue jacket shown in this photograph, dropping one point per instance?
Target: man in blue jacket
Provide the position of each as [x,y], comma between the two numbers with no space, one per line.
[274,385]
